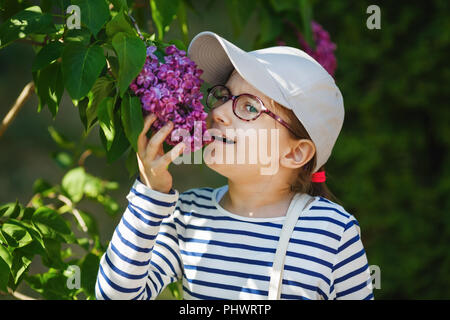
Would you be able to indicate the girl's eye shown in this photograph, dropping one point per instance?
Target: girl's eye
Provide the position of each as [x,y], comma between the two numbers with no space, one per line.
[251,108]
[222,98]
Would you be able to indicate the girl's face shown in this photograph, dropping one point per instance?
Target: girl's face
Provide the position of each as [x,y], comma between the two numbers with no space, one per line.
[258,144]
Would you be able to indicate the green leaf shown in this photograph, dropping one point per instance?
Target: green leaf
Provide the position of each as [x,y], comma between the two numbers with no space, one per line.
[179,44]
[240,12]
[17,232]
[63,4]
[132,119]
[284,5]
[3,239]
[119,145]
[93,186]
[120,23]
[111,206]
[52,285]
[84,243]
[131,163]
[4,274]
[46,5]
[102,88]
[105,115]
[80,36]
[176,290]
[73,183]
[6,256]
[90,222]
[271,26]
[29,21]
[182,19]
[94,13]
[83,112]
[89,270]
[63,159]
[120,142]
[47,55]
[81,67]
[306,14]
[119,4]
[10,210]
[114,64]
[26,213]
[37,238]
[22,258]
[163,13]
[131,53]
[60,139]
[49,87]
[52,258]
[51,224]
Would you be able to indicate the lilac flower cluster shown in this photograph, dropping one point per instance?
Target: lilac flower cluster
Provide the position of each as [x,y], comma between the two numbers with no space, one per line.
[171,90]
[324,51]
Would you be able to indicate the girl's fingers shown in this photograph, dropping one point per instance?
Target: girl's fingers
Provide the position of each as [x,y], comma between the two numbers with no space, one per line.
[142,139]
[174,153]
[154,145]
[160,152]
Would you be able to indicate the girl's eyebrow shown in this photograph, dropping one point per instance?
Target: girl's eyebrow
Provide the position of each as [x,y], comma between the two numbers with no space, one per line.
[229,88]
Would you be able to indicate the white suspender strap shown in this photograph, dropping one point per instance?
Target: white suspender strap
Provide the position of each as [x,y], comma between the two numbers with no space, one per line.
[298,204]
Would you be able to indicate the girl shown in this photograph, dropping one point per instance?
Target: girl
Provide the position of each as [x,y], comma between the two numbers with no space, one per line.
[221,242]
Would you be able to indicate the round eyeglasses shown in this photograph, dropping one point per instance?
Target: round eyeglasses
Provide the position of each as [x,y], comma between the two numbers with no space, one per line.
[246,106]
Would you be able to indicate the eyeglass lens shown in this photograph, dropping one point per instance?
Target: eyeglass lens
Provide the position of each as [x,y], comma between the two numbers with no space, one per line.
[247,107]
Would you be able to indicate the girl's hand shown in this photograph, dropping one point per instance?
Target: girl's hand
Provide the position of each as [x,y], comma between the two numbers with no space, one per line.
[153,163]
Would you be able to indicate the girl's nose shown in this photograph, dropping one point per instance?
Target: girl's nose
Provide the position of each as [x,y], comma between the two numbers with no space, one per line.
[222,114]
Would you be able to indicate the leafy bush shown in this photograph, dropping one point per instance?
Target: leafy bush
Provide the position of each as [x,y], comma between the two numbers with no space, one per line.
[388,166]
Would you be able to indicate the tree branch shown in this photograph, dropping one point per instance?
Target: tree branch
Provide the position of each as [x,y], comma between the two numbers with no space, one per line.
[75,212]
[23,97]
[19,295]
[32,42]
[83,157]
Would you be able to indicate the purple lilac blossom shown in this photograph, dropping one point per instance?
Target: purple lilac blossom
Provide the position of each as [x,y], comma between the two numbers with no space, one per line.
[171,90]
[324,51]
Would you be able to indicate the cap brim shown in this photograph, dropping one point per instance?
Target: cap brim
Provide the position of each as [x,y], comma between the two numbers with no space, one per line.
[217,57]
[208,51]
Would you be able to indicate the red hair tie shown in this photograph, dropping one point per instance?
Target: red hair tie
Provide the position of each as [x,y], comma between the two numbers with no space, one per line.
[319,176]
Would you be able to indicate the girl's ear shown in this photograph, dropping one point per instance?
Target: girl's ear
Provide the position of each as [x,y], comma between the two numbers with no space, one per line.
[298,154]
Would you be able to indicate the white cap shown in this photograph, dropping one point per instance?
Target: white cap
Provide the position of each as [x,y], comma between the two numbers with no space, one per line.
[285,74]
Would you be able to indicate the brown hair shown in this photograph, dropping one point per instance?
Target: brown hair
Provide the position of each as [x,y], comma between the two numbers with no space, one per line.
[303,183]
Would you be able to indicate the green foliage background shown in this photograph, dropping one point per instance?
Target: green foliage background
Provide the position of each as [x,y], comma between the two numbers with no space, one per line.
[390,164]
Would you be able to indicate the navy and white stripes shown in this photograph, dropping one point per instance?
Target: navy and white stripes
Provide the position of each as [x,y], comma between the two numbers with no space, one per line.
[220,255]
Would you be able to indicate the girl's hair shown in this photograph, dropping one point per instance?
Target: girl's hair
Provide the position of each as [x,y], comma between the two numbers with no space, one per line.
[303,183]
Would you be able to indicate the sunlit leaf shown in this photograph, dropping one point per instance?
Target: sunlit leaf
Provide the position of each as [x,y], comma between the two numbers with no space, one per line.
[73,183]
[29,21]
[131,53]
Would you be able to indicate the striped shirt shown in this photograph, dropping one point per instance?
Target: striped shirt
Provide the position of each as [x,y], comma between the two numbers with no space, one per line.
[164,237]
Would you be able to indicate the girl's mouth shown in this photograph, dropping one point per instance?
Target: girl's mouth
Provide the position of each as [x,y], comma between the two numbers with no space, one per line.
[223,140]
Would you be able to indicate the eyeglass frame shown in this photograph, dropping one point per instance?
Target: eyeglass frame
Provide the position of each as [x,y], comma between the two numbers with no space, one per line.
[263,107]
